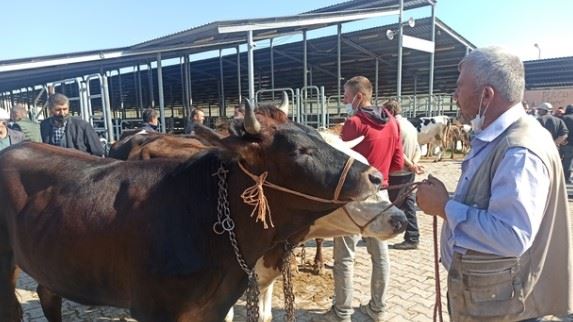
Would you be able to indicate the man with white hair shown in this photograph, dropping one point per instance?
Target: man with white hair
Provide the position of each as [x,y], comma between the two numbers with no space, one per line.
[506,237]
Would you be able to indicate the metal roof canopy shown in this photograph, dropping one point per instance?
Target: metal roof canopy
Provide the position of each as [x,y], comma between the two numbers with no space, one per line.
[217,35]
[19,73]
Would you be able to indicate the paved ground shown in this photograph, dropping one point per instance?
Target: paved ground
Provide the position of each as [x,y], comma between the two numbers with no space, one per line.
[410,294]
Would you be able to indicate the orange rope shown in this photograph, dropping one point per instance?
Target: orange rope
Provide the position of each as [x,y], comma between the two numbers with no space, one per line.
[255,196]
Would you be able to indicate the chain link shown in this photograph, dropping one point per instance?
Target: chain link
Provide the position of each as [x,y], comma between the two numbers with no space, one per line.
[226,224]
[288,290]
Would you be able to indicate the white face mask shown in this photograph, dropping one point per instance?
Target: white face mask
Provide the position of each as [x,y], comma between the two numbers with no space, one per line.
[349,107]
[477,121]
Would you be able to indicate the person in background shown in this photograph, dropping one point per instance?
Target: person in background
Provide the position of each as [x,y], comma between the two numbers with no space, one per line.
[566,149]
[8,136]
[197,117]
[382,148]
[150,120]
[412,154]
[559,112]
[21,122]
[553,124]
[239,112]
[61,129]
[506,233]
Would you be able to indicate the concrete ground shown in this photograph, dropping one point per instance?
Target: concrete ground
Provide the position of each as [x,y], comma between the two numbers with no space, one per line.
[410,295]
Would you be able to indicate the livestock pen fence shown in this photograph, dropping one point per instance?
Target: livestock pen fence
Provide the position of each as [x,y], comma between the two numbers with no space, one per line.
[109,112]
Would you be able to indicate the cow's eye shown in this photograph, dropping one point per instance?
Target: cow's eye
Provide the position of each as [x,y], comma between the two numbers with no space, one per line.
[305,151]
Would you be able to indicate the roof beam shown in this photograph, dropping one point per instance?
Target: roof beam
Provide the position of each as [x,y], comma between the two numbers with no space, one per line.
[303,21]
[298,60]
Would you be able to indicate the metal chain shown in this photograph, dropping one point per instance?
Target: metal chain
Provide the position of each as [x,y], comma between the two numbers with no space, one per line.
[226,224]
[288,289]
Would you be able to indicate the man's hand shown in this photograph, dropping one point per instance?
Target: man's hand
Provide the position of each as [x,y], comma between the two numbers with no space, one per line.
[416,168]
[432,197]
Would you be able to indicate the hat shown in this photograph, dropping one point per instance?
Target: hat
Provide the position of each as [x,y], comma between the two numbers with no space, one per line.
[545,106]
[4,115]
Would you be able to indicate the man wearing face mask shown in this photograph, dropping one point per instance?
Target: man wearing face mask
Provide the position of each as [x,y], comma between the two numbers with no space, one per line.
[383,149]
[506,239]
[61,129]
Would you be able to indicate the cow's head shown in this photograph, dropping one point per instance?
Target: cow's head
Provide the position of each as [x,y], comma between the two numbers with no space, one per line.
[295,157]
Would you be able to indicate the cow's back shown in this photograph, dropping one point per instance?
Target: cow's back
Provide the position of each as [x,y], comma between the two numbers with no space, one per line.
[58,210]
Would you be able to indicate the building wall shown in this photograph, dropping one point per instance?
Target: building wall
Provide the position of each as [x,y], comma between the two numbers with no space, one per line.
[556,96]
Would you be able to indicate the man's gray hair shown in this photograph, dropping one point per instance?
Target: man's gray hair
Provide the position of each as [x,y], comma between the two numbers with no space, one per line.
[498,68]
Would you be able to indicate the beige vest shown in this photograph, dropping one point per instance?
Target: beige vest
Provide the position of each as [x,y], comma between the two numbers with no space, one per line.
[484,287]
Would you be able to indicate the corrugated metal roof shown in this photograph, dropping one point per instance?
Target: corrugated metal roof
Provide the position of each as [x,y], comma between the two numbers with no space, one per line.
[372,4]
[544,73]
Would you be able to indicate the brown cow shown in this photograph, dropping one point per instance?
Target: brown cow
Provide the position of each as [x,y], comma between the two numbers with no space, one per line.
[386,223]
[139,234]
[147,145]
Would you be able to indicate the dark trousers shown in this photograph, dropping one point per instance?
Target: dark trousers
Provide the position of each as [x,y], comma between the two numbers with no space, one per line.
[566,158]
[412,233]
[407,205]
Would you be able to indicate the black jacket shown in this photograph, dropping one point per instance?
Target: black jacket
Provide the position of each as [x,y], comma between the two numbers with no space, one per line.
[79,135]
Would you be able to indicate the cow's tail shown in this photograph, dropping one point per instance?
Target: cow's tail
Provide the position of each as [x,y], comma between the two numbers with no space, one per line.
[10,309]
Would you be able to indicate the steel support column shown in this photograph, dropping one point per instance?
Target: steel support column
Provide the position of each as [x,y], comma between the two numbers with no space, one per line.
[431,80]
[222,111]
[239,74]
[251,46]
[338,65]
[272,68]
[160,90]
[400,30]
[150,85]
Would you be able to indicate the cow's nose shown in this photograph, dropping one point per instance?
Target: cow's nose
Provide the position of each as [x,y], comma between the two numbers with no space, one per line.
[398,223]
[375,178]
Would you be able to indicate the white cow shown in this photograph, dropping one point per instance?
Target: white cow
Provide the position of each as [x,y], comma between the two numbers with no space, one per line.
[433,131]
[384,225]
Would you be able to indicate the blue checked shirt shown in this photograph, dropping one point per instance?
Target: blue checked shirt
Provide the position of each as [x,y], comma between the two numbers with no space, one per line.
[58,134]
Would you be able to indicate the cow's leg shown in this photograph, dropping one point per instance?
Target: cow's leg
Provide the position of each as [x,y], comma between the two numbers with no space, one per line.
[51,304]
[10,309]
[318,261]
[230,315]
[266,303]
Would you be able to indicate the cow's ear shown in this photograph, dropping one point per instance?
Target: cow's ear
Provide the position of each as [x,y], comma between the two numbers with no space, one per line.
[207,135]
[244,147]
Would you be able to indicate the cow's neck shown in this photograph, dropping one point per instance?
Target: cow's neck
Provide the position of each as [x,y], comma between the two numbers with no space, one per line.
[291,215]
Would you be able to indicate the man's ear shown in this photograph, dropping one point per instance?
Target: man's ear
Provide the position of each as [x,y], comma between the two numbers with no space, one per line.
[489,93]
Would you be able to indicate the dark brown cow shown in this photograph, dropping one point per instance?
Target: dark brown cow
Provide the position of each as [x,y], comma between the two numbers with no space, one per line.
[146,145]
[139,234]
[386,222]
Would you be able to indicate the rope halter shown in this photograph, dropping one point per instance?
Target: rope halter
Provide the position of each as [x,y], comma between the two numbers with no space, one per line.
[255,195]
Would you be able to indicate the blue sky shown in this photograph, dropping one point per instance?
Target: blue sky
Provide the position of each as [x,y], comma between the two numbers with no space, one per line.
[35,28]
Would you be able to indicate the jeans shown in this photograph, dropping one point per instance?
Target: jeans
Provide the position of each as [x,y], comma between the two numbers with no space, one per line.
[344,251]
[566,152]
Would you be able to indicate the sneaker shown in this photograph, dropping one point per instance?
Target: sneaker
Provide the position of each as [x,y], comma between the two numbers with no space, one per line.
[405,245]
[375,316]
[329,316]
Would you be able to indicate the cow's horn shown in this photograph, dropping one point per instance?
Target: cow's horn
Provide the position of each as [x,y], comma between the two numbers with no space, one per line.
[252,125]
[354,142]
[284,104]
